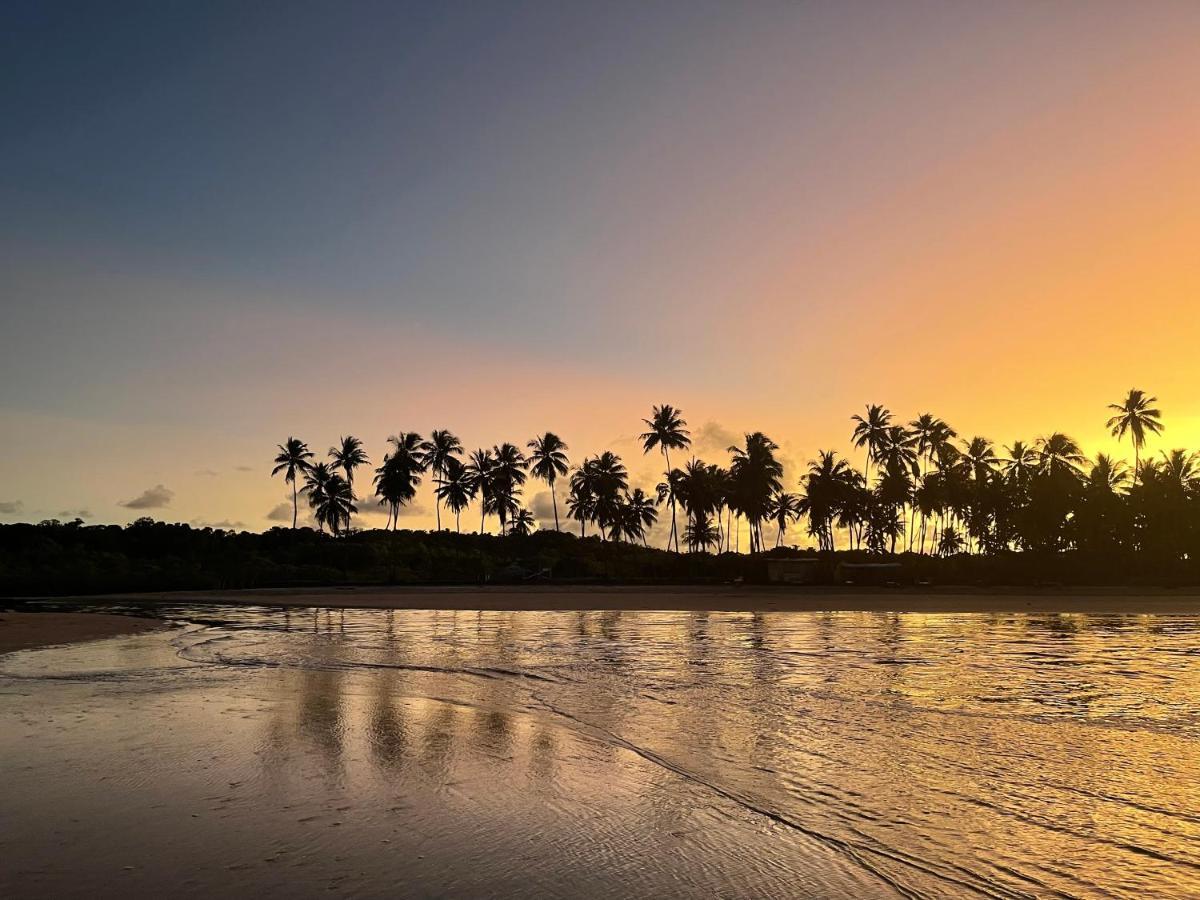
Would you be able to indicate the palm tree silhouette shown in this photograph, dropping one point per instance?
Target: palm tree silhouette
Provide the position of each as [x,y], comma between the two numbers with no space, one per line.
[870,432]
[293,457]
[603,480]
[754,475]
[523,522]
[456,488]
[638,515]
[548,460]
[336,504]
[316,483]
[397,479]
[348,456]
[667,432]
[782,509]
[1059,455]
[1135,416]
[479,472]
[506,477]
[436,453]
[581,502]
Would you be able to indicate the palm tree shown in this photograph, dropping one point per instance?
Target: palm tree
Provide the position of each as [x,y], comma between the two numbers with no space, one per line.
[755,477]
[603,481]
[506,477]
[316,483]
[397,478]
[828,488]
[436,453]
[293,457]
[456,488]
[1108,474]
[523,522]
[548,460]
[638,514]
[1135,416]
[782,509]
[336,504]
[667,432]
[581,502]
[396,483]
[871,432]
[479,471]
[700,535]
[1059,455]
[348,456]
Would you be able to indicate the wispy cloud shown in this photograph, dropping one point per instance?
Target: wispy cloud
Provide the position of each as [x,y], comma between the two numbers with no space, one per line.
[73,514]
[9,507]
[152,498]
[244,468]
[280,513]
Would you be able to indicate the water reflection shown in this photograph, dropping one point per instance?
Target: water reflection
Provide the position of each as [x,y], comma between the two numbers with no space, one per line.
[850,754]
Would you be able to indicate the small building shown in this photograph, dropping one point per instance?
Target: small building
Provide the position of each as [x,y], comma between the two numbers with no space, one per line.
[805,570]
[871,573]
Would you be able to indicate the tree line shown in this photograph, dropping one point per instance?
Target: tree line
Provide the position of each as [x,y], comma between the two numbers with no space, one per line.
[922,488]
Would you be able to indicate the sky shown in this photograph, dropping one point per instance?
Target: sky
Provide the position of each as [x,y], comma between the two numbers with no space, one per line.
[222,224]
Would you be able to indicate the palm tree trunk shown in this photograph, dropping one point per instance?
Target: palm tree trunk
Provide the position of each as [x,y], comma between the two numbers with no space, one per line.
[295,505]
[671,489]
[554,500]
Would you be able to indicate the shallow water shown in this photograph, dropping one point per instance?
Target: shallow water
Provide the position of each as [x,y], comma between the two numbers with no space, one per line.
[651,754]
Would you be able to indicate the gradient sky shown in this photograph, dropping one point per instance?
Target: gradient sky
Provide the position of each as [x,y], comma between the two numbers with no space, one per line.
[224,223]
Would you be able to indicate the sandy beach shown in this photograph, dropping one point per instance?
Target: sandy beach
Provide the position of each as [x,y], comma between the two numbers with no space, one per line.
[21,630]
[725,598]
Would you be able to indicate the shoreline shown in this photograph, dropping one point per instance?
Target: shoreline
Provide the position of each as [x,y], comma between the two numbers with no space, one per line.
[27,630]
[706,598]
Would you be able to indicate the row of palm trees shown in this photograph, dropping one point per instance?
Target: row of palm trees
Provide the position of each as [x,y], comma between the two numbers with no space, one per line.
[921,487]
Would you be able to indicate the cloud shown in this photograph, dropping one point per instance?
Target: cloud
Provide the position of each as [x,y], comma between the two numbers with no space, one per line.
[207,473]
[9,507]
[714,439]
[370,506]
[244,468]
[223,524]
[280,513]
[414,509]
[153,498]
[73,514]
[542,507]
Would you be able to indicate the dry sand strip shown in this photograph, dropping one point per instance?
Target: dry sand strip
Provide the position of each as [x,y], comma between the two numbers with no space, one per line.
[22,630]
[728,598]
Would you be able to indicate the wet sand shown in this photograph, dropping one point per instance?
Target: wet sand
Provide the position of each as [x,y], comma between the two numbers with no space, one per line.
[715,598]
[22,630]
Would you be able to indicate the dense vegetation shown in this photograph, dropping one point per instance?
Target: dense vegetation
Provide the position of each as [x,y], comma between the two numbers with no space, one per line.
[72,558]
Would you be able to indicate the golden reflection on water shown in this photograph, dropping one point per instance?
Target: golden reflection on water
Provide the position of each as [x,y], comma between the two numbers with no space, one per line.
[674,754]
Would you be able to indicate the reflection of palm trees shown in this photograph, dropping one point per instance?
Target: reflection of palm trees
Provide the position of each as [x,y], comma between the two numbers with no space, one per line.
[1136,417]
[667,431]
[293,459]
[548,460]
